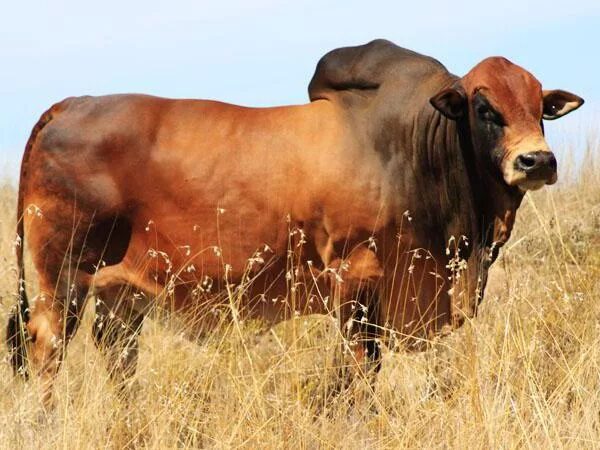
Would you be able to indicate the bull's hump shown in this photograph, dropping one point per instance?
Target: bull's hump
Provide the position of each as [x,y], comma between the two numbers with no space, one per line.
[366,67]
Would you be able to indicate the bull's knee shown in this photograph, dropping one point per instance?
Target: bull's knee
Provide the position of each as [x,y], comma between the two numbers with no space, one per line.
[360,270]
[44,331]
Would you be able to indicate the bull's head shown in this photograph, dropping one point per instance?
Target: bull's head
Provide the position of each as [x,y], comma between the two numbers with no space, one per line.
[504,105]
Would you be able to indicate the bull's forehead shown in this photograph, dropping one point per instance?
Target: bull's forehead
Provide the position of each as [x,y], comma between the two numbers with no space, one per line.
[515,92]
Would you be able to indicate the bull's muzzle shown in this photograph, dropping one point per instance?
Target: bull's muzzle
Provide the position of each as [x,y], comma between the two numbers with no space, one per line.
[537,166]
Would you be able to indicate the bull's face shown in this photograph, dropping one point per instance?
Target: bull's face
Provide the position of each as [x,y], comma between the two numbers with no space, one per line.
[504,105]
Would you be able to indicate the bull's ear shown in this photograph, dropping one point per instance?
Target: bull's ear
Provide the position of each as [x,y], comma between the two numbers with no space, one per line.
[451,102]
[557,103]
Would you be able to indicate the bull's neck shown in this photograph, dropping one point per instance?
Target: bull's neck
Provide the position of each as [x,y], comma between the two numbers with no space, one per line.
[466,197]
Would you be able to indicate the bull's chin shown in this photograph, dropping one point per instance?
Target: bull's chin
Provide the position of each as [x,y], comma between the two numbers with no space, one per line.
[532,185]
[525,183]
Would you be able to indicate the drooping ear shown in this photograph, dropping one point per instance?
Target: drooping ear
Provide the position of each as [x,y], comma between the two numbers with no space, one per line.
[451,102]
[557,103]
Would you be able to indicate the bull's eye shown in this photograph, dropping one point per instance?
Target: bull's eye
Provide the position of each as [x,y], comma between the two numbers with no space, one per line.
[487,114]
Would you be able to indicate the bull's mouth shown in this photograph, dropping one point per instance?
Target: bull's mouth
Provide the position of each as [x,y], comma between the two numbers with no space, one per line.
[531,171]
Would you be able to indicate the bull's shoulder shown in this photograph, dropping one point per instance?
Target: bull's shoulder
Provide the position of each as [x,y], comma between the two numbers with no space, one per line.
[366,67]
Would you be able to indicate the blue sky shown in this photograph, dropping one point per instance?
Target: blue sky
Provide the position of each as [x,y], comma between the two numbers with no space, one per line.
[263,52]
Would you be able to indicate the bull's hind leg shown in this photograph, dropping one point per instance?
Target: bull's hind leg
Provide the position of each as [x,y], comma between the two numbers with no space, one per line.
[56,240]
[66,244]
[116,329]
[54,316]
[39,331]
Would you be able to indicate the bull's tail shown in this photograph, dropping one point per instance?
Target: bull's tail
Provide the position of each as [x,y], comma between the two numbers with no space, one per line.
[16,333]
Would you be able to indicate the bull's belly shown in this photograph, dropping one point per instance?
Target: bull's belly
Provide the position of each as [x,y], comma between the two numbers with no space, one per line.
[207,296]
[211,264]
[274,288]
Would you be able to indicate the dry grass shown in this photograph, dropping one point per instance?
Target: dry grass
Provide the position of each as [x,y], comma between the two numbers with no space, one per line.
[525,373]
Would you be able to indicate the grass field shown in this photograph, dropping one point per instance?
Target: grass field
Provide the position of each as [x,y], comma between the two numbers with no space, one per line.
[524,373]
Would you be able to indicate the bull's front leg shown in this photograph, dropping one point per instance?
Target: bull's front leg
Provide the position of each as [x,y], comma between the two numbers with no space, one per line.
[356,296]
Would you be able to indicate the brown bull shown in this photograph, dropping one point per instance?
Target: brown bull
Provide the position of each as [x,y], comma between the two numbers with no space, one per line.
[385,200]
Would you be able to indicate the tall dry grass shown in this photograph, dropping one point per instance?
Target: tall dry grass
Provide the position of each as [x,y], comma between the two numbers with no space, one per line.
[524,373]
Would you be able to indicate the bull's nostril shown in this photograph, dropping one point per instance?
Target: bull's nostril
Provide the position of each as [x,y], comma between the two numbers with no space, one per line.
[539,164]
[527,161]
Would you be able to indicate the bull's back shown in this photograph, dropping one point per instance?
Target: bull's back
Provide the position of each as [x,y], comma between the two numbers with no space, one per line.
[113,151]
[139,141]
